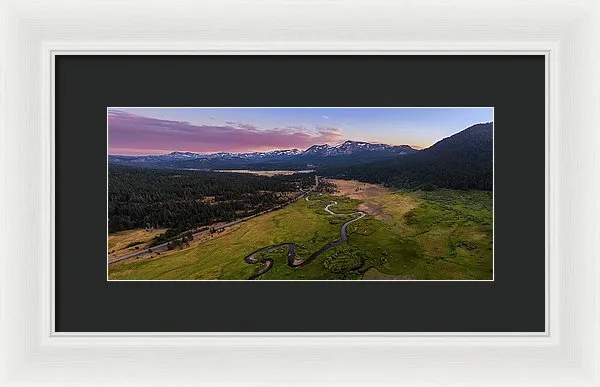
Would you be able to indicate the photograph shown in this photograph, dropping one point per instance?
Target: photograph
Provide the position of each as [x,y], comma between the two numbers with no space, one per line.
[300,193]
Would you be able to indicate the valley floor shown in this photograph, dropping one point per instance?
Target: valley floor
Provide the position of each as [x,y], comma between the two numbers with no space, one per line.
[126,242]
[437,235]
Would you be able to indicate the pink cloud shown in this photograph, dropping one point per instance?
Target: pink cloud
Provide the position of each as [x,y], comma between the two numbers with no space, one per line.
[134,134]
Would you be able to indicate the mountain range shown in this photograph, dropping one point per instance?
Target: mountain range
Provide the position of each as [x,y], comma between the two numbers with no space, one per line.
[461,161]
[316,156]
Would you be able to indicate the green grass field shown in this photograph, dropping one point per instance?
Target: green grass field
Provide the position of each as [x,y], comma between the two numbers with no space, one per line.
[447,235]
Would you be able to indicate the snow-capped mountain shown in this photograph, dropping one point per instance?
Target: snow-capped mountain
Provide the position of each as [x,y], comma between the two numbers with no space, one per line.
[287,152]
[317,149]
[316,155]
[181,155]
[353,147]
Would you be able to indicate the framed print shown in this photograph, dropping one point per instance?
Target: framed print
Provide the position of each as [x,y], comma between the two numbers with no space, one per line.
[295,194]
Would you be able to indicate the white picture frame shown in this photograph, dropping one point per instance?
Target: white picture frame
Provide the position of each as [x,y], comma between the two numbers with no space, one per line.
[566,32]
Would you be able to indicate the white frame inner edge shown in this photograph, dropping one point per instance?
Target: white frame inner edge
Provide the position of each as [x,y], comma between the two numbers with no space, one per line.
[566,32]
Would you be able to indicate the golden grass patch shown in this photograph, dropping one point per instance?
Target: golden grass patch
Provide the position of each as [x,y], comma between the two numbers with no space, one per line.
[378,201]
[118,241]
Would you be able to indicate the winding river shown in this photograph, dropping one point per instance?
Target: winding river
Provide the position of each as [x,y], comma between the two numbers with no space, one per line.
[294,261]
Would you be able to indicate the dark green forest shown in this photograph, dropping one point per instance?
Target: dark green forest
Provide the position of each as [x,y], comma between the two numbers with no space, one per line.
[181,200]
[463,161]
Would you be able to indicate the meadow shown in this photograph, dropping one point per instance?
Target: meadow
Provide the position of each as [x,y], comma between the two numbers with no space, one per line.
[128,241]
[406,235]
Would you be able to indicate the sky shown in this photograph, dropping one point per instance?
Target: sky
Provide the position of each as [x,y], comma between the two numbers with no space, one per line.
[152,131]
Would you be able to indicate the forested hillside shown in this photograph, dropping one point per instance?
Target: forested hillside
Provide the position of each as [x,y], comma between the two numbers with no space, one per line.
[181,200]
[462,161]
